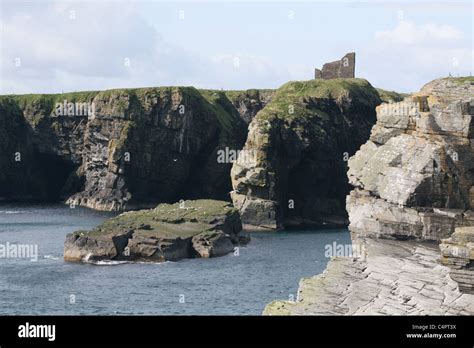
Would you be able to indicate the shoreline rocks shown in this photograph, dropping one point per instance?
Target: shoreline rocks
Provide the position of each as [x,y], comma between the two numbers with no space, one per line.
[170,232]
[457,252]
[394,278]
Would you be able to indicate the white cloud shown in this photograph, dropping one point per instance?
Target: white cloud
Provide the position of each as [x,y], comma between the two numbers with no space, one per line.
[88,53]
[413,54]
[110,45]
[408,33]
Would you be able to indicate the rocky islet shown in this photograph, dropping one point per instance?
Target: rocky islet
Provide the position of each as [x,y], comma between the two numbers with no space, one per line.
[169,232]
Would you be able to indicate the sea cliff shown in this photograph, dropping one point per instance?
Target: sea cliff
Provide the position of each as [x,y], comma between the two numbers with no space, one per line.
[410,212]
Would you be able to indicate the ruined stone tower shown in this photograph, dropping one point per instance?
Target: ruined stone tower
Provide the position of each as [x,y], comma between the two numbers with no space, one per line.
[344,68]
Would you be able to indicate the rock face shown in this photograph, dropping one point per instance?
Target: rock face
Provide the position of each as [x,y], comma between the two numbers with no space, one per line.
[395,278]
[130,148]
[457,252]
[249,102]
[202,228]
[413,186]
[414,178]
[14,152]
[292,170]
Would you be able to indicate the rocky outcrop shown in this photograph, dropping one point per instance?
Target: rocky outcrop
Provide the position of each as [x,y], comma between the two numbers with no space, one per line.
[413,187]
[457,252]
[188,229]
[292,170]
[249,102]
[394,278]
[414,178]
[122,149]
[156,145]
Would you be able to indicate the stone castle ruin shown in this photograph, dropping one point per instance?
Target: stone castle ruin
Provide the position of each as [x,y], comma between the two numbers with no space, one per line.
[344,68]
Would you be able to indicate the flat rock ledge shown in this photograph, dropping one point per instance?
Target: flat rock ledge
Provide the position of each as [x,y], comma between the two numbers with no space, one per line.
[390,278]
[170,232]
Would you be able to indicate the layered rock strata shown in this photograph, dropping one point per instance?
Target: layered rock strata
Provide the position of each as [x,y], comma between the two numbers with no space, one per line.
[414,178]
[122,149]
[292,170]
[457,252]
[394,278]
[188,229]
[413,187]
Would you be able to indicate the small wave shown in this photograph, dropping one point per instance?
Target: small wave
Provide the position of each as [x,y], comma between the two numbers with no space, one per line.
[51,257]
[10,212]
[107,263]
[151,262]
[113,263]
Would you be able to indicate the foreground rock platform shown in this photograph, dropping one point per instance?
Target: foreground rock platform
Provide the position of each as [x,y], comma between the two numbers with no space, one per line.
[394,278]
[170,232]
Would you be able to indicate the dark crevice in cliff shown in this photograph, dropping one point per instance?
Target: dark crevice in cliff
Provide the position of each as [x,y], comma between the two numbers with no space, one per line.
[56,172]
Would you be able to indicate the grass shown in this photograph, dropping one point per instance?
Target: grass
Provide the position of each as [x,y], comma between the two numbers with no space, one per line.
[132,103]
[291,100]
[221,106]
[463,79]
[236,95]
[183,219]
[40,106]
[391,96]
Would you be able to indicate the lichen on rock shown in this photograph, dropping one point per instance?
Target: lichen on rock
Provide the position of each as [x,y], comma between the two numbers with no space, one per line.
[170,232]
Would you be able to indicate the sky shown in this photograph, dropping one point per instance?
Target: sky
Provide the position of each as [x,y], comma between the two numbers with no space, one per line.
[63,46]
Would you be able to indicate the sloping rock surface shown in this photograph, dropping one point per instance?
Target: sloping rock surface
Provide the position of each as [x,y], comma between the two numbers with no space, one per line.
[201,228]
[394,278]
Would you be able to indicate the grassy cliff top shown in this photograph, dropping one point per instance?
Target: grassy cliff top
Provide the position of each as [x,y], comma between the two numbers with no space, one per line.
[236,95]
[290,100]
[391,96]
[462,79]
[84,96]
[320,88]
[132,103]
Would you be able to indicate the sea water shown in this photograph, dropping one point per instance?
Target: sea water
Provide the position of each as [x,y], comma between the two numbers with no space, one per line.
[268,268]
